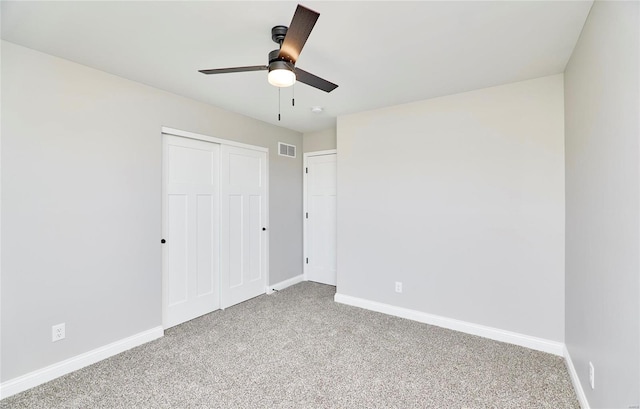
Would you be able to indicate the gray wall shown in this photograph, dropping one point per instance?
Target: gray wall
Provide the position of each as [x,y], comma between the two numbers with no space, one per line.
[81,203]
[319,140]
[461,198]
[602,210]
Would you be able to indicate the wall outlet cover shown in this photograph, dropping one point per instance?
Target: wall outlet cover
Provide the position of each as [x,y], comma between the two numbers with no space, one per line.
[57,332]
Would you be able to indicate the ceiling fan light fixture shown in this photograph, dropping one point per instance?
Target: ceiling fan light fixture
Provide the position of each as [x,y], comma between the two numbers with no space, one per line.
[281,75]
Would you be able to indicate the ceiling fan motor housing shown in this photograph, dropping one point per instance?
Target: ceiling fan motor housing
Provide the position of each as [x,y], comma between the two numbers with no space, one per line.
[276,62]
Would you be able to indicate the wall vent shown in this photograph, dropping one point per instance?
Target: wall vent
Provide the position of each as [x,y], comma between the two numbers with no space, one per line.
[286,150]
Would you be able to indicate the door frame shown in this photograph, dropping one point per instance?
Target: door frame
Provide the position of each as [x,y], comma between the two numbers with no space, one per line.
[306,157]
[192,135]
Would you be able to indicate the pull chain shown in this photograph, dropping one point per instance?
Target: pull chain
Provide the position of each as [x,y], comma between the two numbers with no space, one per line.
[279,103]
[293,99]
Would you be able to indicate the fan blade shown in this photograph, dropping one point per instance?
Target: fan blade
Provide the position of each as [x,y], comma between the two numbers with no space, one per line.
[314,81]
[301,25]
[235,69]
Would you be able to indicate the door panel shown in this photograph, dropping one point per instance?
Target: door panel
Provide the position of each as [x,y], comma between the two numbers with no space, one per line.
[320,241]
[235,240]
[177,236]
[243,257]
[204,242]
[190,213]
[255,242]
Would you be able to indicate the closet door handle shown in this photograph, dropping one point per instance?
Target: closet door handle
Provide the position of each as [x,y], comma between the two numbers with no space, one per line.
[264,228]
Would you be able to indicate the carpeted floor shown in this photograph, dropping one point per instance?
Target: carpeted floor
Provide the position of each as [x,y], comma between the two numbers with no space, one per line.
[299,349]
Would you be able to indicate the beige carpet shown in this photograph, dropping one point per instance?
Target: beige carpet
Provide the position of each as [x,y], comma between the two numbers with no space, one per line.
[299,349]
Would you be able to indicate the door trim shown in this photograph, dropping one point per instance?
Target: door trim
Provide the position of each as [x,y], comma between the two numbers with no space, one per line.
[207,138]
[306,157]
[164,130]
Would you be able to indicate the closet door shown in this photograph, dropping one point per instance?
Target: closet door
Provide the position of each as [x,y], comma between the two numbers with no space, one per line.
[190,229]
[243,224]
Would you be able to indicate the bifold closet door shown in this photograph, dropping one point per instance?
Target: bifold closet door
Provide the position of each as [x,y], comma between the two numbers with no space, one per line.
[191,170]
[243,224]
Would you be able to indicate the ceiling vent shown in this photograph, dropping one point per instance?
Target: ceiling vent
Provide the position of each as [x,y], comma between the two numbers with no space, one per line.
[286,150]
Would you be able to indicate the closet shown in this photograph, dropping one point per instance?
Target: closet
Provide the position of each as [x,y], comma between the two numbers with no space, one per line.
[214,224]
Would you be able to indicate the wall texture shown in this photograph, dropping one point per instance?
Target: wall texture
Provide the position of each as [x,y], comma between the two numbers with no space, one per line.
[602,106]
[320,140]
[461,198]
[81,203]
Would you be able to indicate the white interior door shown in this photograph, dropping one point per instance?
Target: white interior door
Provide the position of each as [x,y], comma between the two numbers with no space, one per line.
[190,227]
[320,218]
[243,224]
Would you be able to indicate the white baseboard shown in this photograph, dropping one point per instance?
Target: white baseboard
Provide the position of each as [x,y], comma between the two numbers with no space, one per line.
[577,386]
[284,284]
[46,374]
[539,344]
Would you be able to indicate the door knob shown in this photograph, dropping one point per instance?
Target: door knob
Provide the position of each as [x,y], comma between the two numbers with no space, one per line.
[264,228]
[163,241]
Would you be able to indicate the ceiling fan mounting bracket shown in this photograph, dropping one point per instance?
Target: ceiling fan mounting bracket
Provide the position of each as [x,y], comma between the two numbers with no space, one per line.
[278,33]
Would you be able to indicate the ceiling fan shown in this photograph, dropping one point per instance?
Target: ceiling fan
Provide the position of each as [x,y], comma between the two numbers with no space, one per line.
[282,62]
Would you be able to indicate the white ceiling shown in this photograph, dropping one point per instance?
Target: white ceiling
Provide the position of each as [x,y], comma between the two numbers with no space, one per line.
[379,53]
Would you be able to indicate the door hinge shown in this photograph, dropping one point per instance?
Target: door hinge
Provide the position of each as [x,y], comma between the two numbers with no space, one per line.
[306,170]
[307,260]
[307,215]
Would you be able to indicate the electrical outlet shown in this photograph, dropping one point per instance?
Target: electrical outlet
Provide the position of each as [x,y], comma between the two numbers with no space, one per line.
[57,332]
[592,376]
[398,286]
